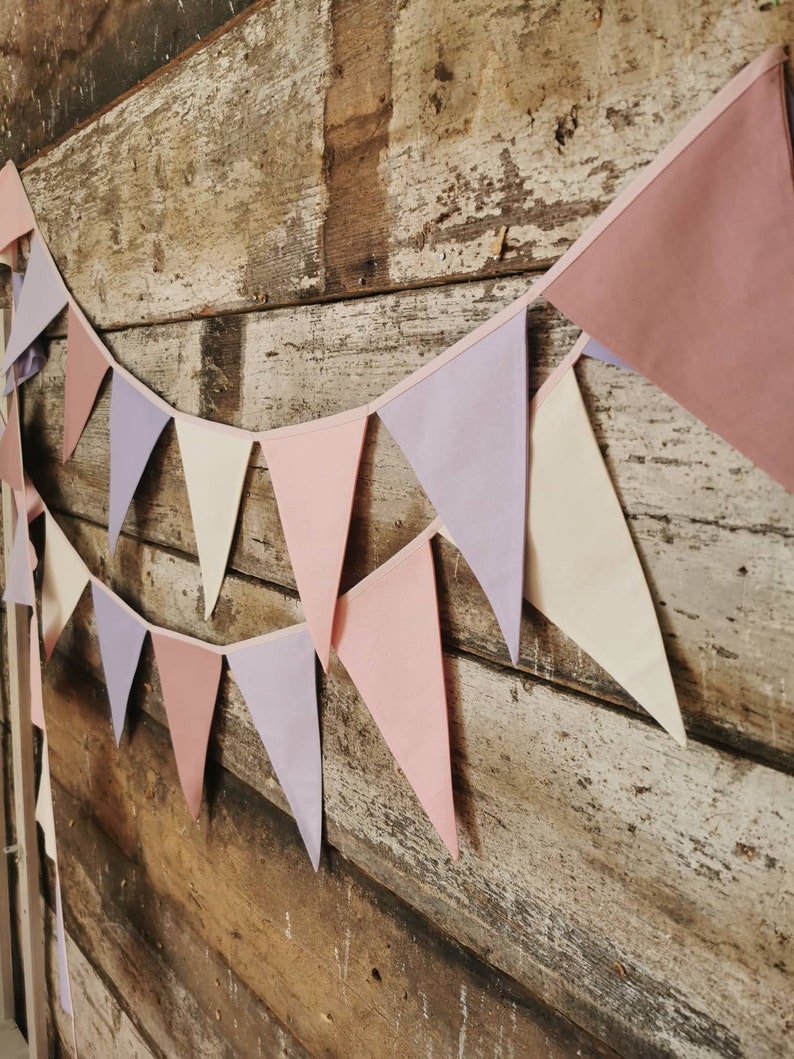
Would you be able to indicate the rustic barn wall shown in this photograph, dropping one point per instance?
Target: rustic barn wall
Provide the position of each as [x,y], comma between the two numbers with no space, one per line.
[280,226]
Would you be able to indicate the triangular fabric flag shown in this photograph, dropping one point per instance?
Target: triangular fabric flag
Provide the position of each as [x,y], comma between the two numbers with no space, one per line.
[687,276]
[65,577]
[36,689]
[464,432]
[215,465]
[387,636]
[19,581]
[85,370]
[278,682]
[189,675]
[64,987]
[11,470]
[135,425]
[16,216]
[43,296]
[582,568]
[121,635]
[314,478]
[34,358]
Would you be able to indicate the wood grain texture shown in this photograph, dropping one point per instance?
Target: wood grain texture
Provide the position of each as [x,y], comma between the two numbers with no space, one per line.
[714,533]
[60,63]
[281,162]
[350,970]
[317,151]
[588,839]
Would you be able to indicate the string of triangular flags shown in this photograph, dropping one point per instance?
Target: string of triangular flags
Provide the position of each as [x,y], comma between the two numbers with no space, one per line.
[510,482]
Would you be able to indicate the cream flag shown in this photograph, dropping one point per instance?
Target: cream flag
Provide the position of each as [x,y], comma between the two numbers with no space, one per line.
[582,569]
[214,463]
[65,577]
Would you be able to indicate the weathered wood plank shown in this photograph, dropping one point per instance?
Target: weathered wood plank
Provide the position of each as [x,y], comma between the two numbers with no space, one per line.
[59,65]
[139,972]
[588,839]
[714,533]
[216,187]
[348,967]
[231,129]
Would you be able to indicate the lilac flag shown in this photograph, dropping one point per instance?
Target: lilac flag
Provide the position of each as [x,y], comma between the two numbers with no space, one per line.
[43,296]
[278,682]
[464,431]
[19,585]
[63,966]
[34,358]
[598,352]
[121,637]
[135,425]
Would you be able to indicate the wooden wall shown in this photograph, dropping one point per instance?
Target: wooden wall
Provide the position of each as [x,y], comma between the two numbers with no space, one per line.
[279,226]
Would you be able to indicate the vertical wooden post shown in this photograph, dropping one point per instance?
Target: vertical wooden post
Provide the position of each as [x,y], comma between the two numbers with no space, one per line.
[30,913]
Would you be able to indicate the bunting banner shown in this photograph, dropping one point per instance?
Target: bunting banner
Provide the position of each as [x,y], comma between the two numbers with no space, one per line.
[121,637]
[314,478]
[85,370]
[215,465]
[387,637]
[278,682]
[135,426]
[686,277]
[189,675]
[464,432]
[582,568]
[65,577]
[43,296]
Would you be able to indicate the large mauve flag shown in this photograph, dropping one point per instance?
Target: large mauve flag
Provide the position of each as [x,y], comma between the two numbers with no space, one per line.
[687,277]
[582,569]
[278,681]
[85,369]
[135,425]
[387,637]
[314,477]
[189,674]
[463,429]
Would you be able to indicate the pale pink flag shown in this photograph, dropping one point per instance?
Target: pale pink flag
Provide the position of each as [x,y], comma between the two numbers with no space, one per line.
[314,478]
[11,449]
[16,216]
[687,276]
[85,369]
[387,636]
[189,675]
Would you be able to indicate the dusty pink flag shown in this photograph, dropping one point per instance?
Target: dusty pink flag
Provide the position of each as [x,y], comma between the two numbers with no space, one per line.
[189,675]
[85,370]
[387,637]
[16,216]
[687,277]
[314,478]
[36,689]
[11,449]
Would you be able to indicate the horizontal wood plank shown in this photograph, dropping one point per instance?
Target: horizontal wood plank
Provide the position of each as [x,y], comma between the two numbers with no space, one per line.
[58,66]
[713,532]
[588,839]
[231,183]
